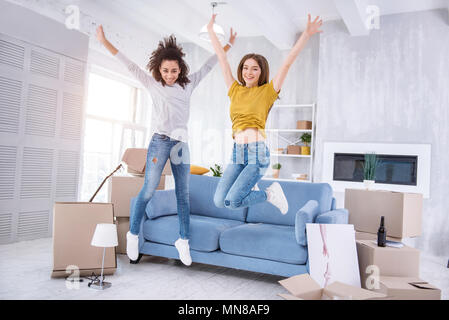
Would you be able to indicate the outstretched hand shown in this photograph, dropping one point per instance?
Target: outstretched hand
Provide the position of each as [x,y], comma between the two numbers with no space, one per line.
[232,37]
[312,27]
[100,34]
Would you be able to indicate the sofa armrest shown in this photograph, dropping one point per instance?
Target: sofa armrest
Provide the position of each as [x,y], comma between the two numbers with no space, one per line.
[162,203]
[338,216]
[305,215]
[334,204]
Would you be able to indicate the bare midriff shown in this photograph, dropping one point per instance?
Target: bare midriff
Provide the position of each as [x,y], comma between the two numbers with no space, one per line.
[248,135]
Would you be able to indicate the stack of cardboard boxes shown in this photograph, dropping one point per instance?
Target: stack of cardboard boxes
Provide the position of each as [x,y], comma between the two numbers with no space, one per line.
[123,188]
[393,271]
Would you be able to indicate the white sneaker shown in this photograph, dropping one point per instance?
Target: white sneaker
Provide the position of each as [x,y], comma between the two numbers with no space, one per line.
[132,246]
[275,196]
[184,251]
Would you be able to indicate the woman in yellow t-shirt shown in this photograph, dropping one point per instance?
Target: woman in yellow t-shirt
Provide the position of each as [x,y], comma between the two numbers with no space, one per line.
[251,101]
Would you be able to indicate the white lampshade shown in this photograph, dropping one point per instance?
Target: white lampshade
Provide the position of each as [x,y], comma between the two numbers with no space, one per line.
[105,235]
[218,31]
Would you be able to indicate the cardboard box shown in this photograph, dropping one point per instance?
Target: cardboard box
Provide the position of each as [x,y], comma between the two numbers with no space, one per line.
[408,288]
[402,211]
[74,225]
[136,158]
[399,262]
[372,236]
[304,125]
[123,188]
[303,287]
[122,228]
[293,149]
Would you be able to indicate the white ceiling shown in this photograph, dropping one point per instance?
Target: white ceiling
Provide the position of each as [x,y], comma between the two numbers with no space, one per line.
[279,21]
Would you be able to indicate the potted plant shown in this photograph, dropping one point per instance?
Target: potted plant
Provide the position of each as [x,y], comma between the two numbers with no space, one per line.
[306,139]
[369,170]
[276,168]
[217,171]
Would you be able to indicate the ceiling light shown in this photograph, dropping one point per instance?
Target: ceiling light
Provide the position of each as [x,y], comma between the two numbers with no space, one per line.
[204,34]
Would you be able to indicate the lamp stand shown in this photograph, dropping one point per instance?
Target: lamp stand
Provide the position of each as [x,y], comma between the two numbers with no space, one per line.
[99,284]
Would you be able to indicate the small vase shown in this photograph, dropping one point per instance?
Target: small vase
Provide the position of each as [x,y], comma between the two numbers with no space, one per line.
[276,173]
[368,184]
[305,150]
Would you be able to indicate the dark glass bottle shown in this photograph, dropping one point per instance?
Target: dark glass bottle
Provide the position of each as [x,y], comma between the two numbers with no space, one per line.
[382,234]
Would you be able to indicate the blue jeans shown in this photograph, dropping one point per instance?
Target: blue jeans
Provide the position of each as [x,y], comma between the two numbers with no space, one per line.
[160,149]
[249,163]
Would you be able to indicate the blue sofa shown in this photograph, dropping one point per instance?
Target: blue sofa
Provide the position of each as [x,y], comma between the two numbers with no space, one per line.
[258,238]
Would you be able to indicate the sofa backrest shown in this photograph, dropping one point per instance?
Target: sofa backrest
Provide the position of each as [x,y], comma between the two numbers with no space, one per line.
[202,190]
[297,194]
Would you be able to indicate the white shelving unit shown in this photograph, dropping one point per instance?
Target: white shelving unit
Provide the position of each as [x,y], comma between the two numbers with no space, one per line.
[275,157]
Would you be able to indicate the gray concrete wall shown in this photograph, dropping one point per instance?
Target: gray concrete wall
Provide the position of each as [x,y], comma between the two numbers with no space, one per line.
[392,86]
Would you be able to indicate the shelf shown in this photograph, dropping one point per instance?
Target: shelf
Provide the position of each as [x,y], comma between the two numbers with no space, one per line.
[290,155]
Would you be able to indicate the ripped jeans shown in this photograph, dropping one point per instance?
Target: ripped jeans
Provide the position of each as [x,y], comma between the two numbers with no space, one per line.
[161,148]
[249,163]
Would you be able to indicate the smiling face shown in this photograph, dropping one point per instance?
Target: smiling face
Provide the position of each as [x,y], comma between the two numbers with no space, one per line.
[170,71]
[251,72]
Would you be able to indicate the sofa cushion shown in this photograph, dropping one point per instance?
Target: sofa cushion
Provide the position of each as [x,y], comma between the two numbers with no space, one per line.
[265,241]
[163,203]
[297,194]
[204,231]
[202,190]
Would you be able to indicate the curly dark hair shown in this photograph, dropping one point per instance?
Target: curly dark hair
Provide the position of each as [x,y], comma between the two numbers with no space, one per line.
[168,50]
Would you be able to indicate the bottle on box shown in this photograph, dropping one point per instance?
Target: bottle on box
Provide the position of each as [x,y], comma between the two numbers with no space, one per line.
[382,234]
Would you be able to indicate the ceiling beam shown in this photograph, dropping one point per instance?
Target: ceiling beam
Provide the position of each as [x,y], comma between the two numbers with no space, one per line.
[270,20]
[353,13]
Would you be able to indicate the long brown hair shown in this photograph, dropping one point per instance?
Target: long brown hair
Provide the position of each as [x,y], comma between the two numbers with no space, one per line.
[168,50]
[264,68]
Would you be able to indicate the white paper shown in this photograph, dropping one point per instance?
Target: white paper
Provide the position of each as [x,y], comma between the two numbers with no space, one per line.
[333,254]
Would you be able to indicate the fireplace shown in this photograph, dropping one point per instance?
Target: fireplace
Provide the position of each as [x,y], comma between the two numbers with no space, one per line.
[392,169]
[402,167]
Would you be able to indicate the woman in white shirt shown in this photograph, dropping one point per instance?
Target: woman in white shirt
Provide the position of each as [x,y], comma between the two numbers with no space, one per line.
[170,87]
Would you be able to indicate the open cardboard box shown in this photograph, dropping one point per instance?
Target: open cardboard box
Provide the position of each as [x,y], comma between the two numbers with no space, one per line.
[135,160]
[408,288]
[303,287]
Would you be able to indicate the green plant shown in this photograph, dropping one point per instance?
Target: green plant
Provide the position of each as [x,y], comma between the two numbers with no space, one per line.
[217,171]
[276,166]
[306,138]
[370,166]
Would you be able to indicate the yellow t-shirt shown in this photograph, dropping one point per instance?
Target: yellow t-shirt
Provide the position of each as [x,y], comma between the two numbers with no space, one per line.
[250,106]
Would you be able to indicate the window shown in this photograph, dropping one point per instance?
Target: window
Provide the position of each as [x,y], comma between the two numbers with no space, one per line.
[117,113]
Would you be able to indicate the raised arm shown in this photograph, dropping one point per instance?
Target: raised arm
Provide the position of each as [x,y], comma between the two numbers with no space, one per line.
[210,63]
[102,39]
[221,54]
[311,29]
[144,78]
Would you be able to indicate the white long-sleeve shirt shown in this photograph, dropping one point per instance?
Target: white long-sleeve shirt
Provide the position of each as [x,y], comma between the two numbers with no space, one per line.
[171,104]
